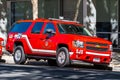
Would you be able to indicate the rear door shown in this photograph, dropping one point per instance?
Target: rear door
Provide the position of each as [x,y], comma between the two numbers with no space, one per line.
[35,37]
[41,39]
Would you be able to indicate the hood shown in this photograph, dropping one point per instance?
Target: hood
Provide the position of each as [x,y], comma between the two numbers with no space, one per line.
[88,38]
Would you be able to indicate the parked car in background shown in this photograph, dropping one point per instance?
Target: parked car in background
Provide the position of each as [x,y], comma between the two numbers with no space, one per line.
[58,41]
[1,39]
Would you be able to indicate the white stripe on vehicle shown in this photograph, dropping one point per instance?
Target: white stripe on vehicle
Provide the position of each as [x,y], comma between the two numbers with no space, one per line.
[97,54]
[71,53]
[36,50]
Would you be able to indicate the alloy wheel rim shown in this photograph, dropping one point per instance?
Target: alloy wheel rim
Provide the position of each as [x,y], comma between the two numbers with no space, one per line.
[61,57]
[17,55]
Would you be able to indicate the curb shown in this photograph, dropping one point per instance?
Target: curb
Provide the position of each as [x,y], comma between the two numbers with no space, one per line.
[8,58]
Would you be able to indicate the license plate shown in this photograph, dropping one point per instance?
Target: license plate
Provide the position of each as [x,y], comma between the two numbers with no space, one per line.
[96,60]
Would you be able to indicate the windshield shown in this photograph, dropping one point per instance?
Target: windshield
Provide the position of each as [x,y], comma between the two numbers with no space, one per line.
[73,29]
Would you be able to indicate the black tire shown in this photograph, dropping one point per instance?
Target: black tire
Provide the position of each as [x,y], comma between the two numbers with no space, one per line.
[19,56]
[103,66]
[62,57]
[52,62]
[2,61]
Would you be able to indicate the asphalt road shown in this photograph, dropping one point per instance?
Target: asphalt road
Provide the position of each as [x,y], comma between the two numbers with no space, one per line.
[41,71]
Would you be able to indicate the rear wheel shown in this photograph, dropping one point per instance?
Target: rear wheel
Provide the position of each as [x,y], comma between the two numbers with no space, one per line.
[19,56]
[62,58]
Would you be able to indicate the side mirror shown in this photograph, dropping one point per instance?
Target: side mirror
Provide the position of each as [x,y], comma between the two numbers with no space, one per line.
[49,33]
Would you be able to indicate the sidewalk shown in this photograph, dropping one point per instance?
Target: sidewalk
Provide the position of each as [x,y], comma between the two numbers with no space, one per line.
[8,58]
[115,64]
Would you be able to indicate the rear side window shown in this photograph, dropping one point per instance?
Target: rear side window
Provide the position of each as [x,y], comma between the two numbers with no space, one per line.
[37,28]
[20,27]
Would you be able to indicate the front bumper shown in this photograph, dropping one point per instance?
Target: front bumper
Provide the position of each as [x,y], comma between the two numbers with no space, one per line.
[91,57]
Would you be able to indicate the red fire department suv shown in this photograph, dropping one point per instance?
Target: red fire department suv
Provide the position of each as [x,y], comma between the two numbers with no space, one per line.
[58,41]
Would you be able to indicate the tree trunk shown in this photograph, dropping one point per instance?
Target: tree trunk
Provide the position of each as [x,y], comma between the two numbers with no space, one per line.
[3,21]
[77,10]
[35,8]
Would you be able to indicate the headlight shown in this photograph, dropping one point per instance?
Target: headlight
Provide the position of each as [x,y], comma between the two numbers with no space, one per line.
[78,43]
[111,48]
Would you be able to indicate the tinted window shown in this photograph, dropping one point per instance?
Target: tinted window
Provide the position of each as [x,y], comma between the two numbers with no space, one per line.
[20,27]
[61,30]
[49,26]
[37,27]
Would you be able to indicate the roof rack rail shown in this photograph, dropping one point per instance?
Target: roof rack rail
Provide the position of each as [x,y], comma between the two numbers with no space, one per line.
[63,20]
[54,19]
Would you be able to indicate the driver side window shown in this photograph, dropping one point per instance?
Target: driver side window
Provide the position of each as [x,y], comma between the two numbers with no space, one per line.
[49,27]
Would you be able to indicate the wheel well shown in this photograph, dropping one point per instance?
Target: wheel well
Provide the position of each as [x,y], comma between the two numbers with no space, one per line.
[17,43]
[62,45]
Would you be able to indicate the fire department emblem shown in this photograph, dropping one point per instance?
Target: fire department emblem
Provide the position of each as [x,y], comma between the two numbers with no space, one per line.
[46,43]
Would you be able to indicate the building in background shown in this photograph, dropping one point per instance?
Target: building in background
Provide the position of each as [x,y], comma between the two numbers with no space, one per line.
[101,17]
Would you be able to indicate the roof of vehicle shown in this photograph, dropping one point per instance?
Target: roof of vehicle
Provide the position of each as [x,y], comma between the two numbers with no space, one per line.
[51,20]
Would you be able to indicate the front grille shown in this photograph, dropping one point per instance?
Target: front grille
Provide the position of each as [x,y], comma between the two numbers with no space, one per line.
[95,43]
[96,46]
[96,49]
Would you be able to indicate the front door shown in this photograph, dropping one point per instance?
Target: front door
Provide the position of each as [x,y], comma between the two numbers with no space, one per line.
[50,32]
[48,40]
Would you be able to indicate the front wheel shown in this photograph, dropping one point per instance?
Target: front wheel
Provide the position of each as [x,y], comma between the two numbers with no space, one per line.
[19,56]
[62,57]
